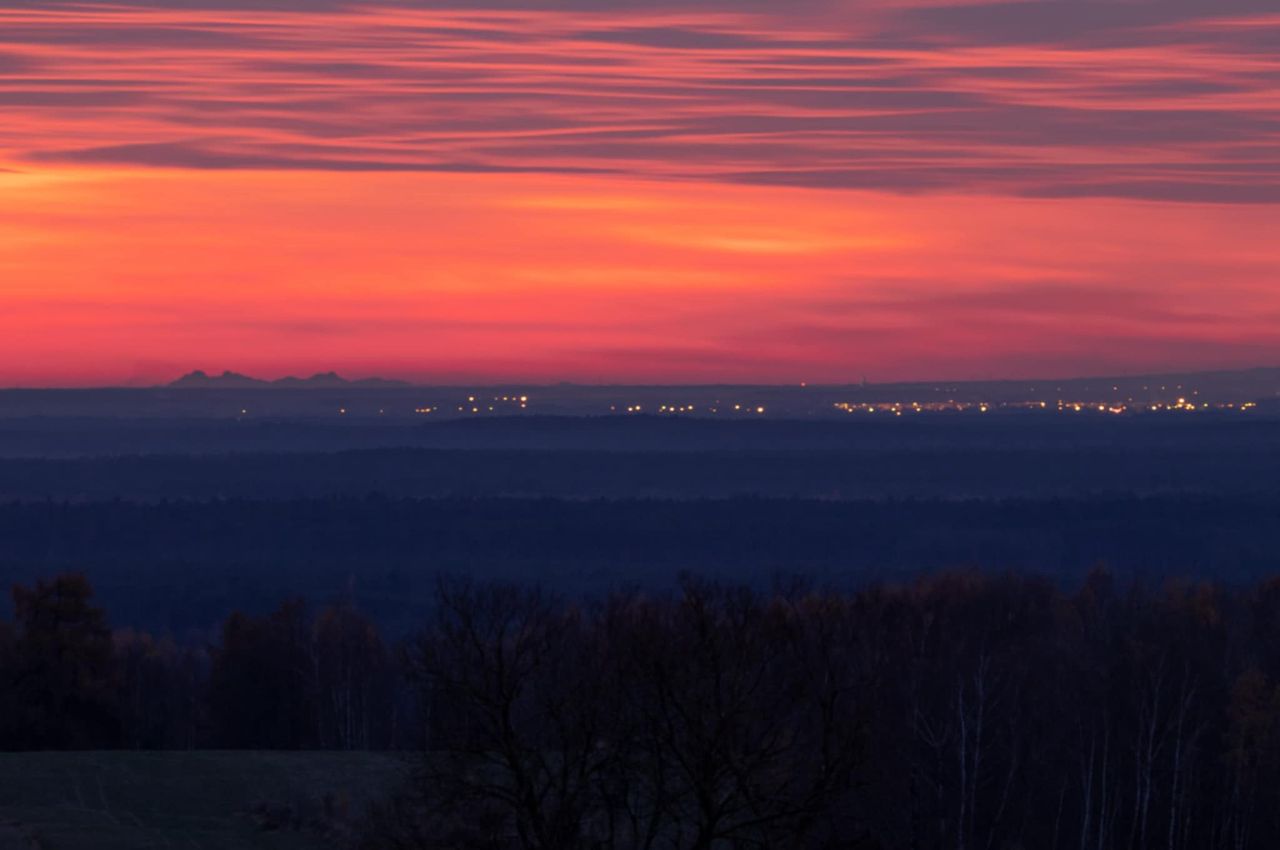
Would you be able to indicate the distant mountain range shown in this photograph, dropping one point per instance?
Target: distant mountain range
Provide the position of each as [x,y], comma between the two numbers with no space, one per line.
[1264,381]
[199,380]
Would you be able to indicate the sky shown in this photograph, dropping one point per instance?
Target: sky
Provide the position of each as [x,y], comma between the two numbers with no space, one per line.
[694,191]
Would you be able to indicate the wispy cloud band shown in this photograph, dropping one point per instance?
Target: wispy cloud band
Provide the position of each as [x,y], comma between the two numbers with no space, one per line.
[1163,101]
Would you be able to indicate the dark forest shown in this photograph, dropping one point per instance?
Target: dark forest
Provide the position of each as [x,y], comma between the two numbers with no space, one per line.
[960,710]
[642,634]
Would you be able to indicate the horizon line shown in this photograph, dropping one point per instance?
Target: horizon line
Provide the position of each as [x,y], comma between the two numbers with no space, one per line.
[407,383]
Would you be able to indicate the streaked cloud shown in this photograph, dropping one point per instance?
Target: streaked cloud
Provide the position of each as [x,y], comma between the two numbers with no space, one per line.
[577,189]
[1168,101]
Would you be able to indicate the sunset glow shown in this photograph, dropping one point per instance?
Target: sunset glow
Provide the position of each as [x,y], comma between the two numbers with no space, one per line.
[633,192]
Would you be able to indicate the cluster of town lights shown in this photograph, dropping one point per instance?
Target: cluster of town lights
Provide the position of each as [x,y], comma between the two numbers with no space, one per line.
[475,405]
[1112,408]
[689,408]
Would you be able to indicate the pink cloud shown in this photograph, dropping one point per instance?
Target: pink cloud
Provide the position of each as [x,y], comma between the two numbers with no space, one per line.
[695,191]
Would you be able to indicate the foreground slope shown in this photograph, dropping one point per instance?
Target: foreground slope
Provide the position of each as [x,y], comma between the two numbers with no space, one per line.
[205,800]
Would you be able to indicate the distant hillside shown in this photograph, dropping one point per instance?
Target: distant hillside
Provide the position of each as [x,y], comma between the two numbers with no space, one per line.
[199,380]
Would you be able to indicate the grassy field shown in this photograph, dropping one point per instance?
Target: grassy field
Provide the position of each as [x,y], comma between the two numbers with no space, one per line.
[214,800]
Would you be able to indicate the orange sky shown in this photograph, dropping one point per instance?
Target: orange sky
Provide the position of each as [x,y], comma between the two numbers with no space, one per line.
[711,193]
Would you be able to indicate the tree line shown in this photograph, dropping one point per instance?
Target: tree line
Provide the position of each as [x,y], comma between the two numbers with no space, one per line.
[962,710]
[287,680]
[177,567]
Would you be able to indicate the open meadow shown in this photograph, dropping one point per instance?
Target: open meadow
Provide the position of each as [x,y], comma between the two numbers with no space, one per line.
[189,800]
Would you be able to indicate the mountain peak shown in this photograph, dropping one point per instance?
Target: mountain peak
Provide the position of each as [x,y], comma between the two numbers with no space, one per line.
[199,379]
